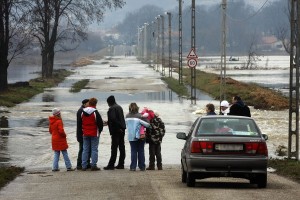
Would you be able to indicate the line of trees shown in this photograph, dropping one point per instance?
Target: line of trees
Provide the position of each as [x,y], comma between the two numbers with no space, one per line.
[57,25]
[243,23]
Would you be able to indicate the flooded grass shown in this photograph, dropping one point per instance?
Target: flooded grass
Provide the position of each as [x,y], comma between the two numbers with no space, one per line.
[82,62]
[18,94]
[76,87]
[252,94]
[286,168]
[174,85]
[8,174]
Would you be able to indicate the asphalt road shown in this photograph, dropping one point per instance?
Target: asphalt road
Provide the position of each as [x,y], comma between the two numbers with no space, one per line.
[125,184]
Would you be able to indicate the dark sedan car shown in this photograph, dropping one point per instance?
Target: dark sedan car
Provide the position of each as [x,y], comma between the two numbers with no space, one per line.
[224,146]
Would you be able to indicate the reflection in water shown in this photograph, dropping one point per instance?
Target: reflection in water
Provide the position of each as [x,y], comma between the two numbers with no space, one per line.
[4,124]
[48,97]
[4,157]
[44,123]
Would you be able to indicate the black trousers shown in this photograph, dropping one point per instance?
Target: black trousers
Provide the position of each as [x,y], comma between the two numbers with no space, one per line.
[79,157]
[155,151]
[117,141]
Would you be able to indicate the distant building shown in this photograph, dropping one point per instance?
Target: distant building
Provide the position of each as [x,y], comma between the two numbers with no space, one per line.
[270,43]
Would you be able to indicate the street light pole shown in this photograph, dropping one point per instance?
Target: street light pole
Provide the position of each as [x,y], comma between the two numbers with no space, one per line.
[158,42]
[193,46]
[163,44]
[180,42]
[170,44]
[223,55]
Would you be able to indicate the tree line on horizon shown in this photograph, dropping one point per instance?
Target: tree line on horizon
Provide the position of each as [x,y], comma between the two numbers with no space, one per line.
[246,25]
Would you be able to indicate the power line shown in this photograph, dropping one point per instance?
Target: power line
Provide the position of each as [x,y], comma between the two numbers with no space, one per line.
[242,20]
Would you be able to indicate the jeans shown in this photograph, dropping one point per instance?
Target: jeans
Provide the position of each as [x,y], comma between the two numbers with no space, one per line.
[117,140]
[137,154]
[90,144]
[79,158]
[66,159]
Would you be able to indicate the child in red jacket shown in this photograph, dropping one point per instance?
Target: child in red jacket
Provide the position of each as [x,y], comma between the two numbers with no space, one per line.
[59,140]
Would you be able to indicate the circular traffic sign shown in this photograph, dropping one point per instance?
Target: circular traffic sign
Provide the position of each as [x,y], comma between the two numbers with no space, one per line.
[192,62]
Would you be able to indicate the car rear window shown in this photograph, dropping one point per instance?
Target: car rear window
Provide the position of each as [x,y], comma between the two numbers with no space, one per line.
[225,126]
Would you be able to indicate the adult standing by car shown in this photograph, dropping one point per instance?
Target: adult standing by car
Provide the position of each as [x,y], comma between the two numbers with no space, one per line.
[224,107]
[210,109]
[79,135]
[239,108]
[92,126]
[116,125]
[154,137]
[134,122]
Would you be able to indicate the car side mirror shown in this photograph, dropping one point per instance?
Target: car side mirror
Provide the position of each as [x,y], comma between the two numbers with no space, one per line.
[265,136]
[181,135]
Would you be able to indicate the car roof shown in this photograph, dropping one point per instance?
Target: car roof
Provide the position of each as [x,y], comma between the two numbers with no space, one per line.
[225,117]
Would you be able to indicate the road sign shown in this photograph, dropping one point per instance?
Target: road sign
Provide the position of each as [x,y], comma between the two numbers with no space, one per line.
[192,54]
[192,62]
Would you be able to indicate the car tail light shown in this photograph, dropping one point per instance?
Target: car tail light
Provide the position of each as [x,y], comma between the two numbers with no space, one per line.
[201,147]
[259,148]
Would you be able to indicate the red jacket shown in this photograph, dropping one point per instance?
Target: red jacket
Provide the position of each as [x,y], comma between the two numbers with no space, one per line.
[56,129]
[91,122]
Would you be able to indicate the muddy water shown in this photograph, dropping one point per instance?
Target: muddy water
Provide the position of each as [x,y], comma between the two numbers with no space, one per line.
[25,140]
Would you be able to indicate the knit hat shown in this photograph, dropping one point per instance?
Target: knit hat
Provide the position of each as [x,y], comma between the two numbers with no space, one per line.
[225,104]
[111,100]
[56,111]
[84,101]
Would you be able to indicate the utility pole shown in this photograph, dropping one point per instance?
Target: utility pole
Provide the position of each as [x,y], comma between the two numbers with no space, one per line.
[293,142]
[193,46]
[180,42]
[223,55]
[158,43]
[139,47]
[163,44]
[170,44]
[145,58]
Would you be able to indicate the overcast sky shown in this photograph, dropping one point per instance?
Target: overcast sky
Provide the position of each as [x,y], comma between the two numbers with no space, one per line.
[113,18]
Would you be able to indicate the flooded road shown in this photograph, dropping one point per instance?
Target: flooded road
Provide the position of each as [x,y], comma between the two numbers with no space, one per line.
[25,140]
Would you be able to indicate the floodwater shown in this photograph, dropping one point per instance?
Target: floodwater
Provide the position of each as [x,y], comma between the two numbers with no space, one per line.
[25,140]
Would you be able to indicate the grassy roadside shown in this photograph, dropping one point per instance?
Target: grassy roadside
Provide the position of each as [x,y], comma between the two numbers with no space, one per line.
[76,87]
[252,94]
[8,174]
[18,94]
[287,168]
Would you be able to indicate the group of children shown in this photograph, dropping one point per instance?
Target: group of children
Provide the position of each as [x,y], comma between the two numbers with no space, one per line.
[152,135]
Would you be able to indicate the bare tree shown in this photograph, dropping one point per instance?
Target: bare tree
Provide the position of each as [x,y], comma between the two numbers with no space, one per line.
[14,35]
[60,25]
[282,30]
[252,55]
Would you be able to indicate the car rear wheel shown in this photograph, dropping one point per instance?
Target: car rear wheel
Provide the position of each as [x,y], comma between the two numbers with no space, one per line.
[261,181]
[190,180]
[183,174]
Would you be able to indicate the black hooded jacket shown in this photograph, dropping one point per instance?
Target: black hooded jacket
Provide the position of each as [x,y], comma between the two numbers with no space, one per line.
[240,109]
[115,116]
